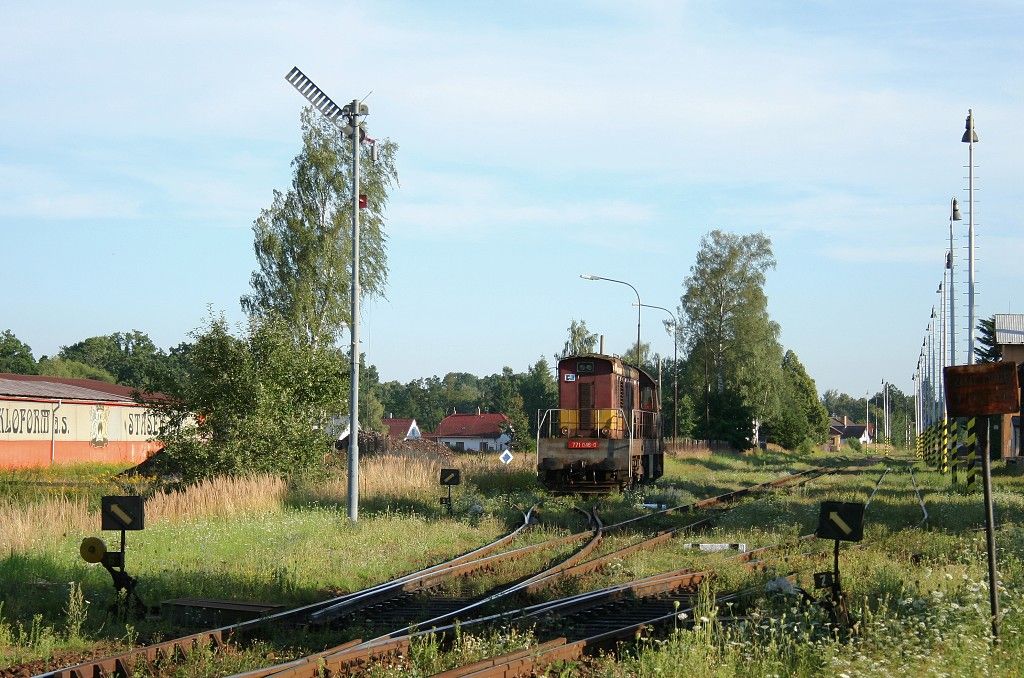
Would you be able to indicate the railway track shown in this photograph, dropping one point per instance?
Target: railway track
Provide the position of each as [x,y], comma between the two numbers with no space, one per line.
[403,592]
[124,664]
[350,656]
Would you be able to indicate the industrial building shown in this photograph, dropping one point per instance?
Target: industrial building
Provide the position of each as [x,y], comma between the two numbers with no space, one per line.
[51,420]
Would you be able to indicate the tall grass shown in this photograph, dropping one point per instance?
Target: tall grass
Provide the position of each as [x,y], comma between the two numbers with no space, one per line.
[24,525]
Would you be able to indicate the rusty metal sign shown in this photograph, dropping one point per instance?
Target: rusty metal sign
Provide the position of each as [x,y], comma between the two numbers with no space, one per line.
[978,390]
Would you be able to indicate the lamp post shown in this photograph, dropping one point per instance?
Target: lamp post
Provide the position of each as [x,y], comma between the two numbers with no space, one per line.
[587,276]
[970,137]
[346,118]
[954,215]
[675,370]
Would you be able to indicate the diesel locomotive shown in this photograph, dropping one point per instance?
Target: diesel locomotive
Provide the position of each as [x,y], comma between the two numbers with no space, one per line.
[605,433]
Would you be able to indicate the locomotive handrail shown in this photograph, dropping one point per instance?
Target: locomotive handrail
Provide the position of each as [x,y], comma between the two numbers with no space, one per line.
[602,431]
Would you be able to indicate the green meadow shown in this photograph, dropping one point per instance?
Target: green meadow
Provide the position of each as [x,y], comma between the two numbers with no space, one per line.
[917,589]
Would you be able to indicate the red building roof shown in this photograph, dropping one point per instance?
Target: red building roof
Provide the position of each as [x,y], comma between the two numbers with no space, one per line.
[471,426]
[36,385]
[398,429]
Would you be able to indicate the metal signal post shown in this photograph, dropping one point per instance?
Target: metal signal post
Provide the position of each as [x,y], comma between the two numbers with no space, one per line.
[346,118]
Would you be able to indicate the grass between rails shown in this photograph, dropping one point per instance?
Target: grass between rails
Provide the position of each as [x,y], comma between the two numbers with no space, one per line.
[920,594]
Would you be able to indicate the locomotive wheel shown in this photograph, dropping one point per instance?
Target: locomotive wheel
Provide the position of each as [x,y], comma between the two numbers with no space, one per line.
[92,549]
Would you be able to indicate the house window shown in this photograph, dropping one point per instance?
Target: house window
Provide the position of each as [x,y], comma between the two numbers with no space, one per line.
[484,447]
[460,446]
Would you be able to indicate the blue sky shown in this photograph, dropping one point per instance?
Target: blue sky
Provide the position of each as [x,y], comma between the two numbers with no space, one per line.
[538,141]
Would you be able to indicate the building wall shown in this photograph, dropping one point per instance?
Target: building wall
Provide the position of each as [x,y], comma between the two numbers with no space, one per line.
[1014,352]
[44,432]
[499,444]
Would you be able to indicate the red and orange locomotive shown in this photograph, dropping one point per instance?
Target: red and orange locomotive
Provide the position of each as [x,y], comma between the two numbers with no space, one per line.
[606,432]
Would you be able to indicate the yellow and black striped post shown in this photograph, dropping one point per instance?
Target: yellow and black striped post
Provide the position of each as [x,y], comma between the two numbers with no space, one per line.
[918,447]
[944,446]
[954,456]
[932,457]
[972,451]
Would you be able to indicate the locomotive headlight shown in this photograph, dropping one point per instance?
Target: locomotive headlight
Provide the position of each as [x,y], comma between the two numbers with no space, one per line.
[565,431]
[604,432]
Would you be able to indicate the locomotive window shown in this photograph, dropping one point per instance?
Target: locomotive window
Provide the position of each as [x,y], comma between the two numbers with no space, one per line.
[585,367]
[647,398]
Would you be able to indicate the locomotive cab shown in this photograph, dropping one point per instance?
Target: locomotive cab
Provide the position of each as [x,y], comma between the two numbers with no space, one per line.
[606,431]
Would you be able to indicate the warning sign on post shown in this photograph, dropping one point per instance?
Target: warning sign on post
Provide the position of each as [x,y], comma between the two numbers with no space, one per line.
[979,390]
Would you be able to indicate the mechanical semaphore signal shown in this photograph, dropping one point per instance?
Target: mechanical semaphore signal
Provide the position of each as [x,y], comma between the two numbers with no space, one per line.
[313,94]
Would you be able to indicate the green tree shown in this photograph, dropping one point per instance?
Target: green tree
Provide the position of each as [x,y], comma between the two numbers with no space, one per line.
[15,355]
[502,395]
[131,357]
[801,415]
[73,369]
[303,240]
[259,403]
[580,340]
[986,350]
[734,350]
[539,392]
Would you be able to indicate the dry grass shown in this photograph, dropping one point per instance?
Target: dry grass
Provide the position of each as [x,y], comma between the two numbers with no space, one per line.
[219,497]
[24,524]
[409,476]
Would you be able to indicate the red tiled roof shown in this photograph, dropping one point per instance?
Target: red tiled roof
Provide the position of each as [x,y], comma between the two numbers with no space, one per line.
[398,429]
[471,426]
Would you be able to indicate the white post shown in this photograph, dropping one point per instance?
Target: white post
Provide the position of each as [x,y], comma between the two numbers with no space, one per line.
[969,137]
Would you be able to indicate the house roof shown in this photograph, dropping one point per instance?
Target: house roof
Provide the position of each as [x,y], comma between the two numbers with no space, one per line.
[398,429]
[849,431]
[1009,328]
[471,425]
[40,386]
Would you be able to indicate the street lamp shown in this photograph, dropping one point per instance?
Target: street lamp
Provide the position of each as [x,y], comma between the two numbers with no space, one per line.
[954,215]
[346,118]
[587,276]
[675,370]
[970,137]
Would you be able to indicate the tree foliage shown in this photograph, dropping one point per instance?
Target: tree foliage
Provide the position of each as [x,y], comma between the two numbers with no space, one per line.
[733,344]
[303,241]
[15,355]
[986,350]
[802,416]
[131,357]
[257,403]
[73,369]
[580,340]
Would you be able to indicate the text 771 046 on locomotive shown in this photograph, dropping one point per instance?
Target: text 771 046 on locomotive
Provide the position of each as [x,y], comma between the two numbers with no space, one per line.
[605,433]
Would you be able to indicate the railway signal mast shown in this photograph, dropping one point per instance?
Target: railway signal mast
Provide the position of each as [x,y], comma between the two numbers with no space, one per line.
[346,119]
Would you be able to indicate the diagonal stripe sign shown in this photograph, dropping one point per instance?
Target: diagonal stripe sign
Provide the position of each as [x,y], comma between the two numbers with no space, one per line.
[842,521]
[122,516]
[837,519]
[122,513]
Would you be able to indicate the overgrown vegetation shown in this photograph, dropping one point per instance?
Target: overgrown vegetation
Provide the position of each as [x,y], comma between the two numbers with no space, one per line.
[918,591]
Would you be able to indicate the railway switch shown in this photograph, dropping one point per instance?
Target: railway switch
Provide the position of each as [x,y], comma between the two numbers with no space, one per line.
[120,513]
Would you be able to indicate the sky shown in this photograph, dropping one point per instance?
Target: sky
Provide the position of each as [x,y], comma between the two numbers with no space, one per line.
[537,141]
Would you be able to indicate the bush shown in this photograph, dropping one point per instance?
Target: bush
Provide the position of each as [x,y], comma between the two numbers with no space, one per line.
[255,404]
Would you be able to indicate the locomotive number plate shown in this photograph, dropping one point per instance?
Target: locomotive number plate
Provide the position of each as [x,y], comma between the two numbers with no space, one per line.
[582,444]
